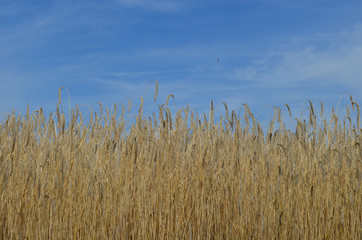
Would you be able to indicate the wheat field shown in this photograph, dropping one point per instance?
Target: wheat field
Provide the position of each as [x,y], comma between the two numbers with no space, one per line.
[180,176]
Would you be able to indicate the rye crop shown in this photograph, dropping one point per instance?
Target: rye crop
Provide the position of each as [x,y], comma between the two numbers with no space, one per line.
[180,176]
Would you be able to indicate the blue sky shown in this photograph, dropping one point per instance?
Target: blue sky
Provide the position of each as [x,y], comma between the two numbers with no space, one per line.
[270,52]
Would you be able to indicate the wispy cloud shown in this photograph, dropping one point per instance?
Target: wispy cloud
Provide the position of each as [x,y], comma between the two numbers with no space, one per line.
[31,26]
[319,67]
[333,59]
[157,5]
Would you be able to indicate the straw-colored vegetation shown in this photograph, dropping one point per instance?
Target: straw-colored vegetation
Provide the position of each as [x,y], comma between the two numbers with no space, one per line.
[180,176]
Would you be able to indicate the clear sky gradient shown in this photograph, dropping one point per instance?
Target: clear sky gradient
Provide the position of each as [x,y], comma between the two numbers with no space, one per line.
[270,52]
